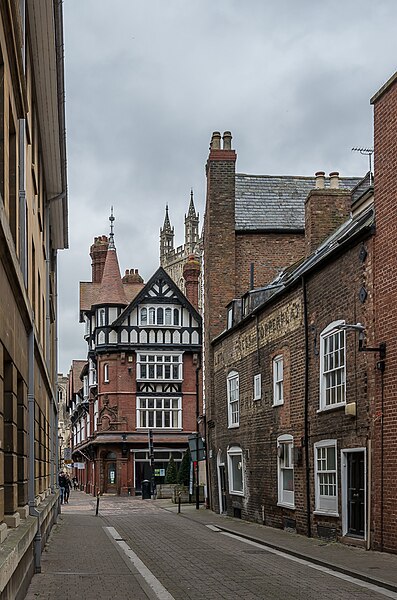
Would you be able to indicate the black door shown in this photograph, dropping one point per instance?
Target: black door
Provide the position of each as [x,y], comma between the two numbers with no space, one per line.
[222,484]
[355,494]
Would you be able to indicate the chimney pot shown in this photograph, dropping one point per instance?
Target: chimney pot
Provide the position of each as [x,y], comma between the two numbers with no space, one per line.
[334,180]
[227,140]
[216,141]
[320,180]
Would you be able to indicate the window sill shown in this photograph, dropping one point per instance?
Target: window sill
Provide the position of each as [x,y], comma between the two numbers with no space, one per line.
[233,426]
[278,404]
[285,505]
[323,513]
[235,493]
[326,409]
[162,429]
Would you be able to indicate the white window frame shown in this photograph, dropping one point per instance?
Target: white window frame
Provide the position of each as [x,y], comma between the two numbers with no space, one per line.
[233,399]
[106,373]
[169,313]
[326,374]
[101,317]
[151,368]
[150,409]
[235,454]
[325,504]
[278,380]
[257,386]
[285,463]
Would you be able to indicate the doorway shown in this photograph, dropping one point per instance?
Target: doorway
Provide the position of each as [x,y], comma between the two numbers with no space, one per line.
[221,484]
[110,474]
[354,492]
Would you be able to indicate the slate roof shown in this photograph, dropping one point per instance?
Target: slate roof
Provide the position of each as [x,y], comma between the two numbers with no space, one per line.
[272,202]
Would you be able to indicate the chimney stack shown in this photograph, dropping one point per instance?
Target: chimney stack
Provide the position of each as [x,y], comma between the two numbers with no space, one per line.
[326,208]
[98,253]
[191,273]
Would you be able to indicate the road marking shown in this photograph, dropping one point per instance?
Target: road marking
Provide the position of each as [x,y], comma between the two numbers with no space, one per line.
[213,527]
[302,561]
[159,590]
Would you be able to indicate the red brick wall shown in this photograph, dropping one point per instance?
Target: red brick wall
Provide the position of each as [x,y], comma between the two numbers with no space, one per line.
[325,210]
[332,293]
[270,253]
[385,428]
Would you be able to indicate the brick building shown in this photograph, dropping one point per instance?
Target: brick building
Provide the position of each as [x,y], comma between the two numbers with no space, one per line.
[289,389]
[33,227]
[173,259]
[144,345]
[385,290]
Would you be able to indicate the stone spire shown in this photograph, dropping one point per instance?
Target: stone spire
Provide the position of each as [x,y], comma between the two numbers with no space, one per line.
[191,227]
[166,237]
[111,290]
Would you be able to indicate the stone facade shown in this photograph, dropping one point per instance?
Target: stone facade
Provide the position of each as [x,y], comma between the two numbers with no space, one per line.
[173,259]
[33,227]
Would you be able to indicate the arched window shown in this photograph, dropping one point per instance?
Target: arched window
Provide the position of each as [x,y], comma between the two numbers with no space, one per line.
[160,316]
[168,316]
[176,316]
[152,316]
[143,316]
[332,366]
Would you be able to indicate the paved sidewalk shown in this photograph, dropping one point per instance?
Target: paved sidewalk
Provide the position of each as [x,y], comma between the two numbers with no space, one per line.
[80,560]
[375,567]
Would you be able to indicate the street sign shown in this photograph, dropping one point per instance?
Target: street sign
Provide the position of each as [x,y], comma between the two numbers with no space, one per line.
[67,454]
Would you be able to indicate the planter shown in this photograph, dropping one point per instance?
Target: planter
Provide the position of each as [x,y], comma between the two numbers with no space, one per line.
[165,490]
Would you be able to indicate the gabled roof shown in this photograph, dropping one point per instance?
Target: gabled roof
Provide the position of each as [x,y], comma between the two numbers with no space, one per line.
[272,202]
[159,286]
[111,290]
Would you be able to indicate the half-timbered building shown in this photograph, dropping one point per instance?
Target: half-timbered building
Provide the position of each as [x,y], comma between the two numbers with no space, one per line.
[144,345]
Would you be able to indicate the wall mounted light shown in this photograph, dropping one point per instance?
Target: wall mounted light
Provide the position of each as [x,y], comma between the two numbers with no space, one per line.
[359,327]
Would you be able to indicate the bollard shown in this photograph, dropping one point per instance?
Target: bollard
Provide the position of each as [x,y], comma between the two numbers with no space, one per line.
[97,502]
[179,502]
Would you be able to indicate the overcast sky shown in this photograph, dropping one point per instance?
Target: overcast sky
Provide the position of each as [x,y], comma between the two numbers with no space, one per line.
[148,81]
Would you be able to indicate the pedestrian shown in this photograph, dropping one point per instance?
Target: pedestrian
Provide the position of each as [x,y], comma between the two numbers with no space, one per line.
[75,483]
[68,487]
[62,485]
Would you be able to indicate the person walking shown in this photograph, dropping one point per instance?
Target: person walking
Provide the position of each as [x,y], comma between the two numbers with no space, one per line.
[68,487]
[62,485]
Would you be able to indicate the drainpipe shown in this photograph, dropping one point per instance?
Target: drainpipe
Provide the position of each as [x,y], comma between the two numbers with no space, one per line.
[369,489]
[21,169]
[306,409]
[31,481]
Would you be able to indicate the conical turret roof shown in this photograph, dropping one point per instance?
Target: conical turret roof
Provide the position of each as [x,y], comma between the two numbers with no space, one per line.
[111,289]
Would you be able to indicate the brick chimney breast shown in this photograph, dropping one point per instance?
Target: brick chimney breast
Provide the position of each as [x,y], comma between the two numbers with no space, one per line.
[191,273]
[326,208]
